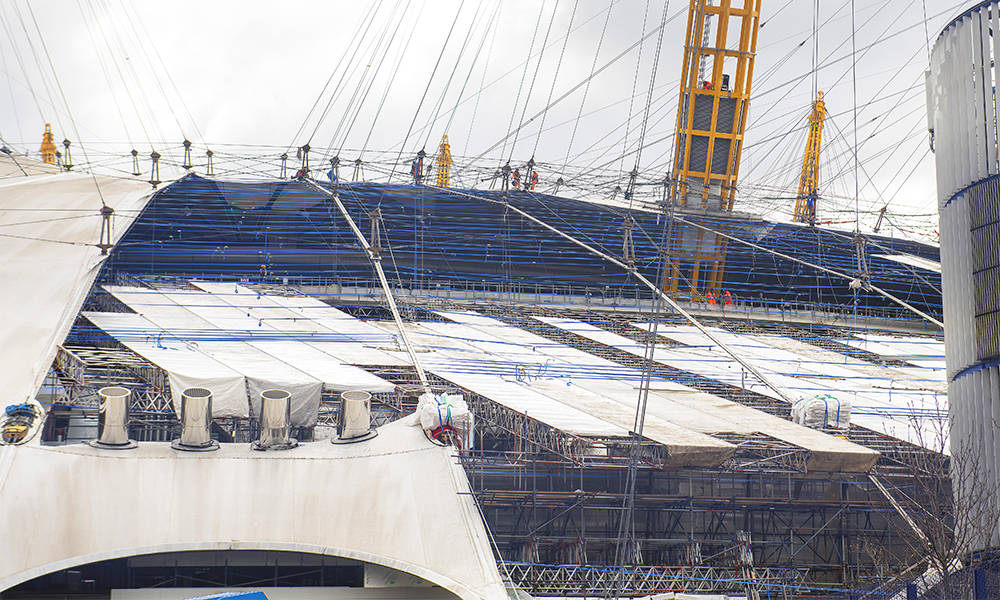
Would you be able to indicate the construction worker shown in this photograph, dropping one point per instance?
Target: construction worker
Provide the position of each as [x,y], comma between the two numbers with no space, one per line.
[534,180]
[516,182]
[727,297]
[711,297]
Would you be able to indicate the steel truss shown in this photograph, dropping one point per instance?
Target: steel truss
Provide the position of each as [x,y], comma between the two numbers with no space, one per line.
[560,524]
[601,581]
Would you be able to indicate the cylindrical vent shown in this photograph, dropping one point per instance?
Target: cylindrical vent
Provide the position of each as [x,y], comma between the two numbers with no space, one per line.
[275,419]
[355,414]
[112,420]
[196,418]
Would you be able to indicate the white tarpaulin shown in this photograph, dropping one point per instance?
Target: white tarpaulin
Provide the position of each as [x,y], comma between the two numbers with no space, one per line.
[50,226]
[675,415]
[185,364]
[284,345]
[312,322]
[263,371]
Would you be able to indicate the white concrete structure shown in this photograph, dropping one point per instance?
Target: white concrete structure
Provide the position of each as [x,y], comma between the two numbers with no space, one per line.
[962,111]
[397,500]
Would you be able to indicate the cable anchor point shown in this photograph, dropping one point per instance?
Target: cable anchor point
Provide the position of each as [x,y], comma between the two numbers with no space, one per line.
[105,243]
[187,156]
[154,171]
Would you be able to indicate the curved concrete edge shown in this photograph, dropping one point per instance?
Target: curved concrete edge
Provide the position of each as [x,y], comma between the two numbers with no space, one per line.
[435,578]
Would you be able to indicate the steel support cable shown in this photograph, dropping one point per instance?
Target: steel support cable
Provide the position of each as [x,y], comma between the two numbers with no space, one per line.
[524,75]
[889,154]
[635,82]
[762,163]
[377,263]
[4,20]
[911,268]
[358,31]
[782,393]
[882,40]
[156,80]
[534,78]
[401,54]
[586,91]
[10,90]
[83,148]
[814,266]
[107,76]
[150,115]
[430,80]
[355,104]
[12,157]
[665,103]
[435,112]
[585,82]
[488,32]
[555,77]
[482,87]
[163,65]
[795,112]
[38,64]
[363,71]
[649,102]
[626,522]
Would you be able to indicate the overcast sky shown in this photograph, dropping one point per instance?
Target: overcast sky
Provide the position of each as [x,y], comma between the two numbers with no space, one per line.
[255,78]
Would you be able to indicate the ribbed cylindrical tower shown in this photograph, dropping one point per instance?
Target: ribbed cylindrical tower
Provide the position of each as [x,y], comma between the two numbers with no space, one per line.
[962,112]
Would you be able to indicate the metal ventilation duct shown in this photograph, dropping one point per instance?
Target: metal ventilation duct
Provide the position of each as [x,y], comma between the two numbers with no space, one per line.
[275,419]
[355,415]
[112,419]
[196,421]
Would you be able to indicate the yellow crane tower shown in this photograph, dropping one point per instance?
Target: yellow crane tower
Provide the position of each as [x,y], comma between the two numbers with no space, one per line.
[444,163]
[805,200]
[48,148]
[716,78]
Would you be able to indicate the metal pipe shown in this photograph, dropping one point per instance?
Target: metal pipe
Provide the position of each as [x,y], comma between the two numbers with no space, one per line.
[355,414]
[112,418]
[275,421]
[196,418]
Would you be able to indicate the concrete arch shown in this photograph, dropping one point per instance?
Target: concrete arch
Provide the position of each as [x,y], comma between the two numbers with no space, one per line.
[436,578]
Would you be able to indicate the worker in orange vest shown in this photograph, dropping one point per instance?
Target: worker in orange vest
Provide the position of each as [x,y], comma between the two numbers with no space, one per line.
[727,297]
[534,180]
[516,183]
[711,297]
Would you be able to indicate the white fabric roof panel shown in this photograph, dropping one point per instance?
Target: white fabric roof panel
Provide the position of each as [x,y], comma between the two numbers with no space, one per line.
[263,371]
[49,228]
[810,376]
[270,339]
[570,385]
[876,402]
[692,410]
[185,364]
[373,339]
[923,352]
[496,379]
[341,335]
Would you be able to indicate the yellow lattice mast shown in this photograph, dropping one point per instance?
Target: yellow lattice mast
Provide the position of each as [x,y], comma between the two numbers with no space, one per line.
[48,146]
[716,77]
[444,163]
[805,200]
